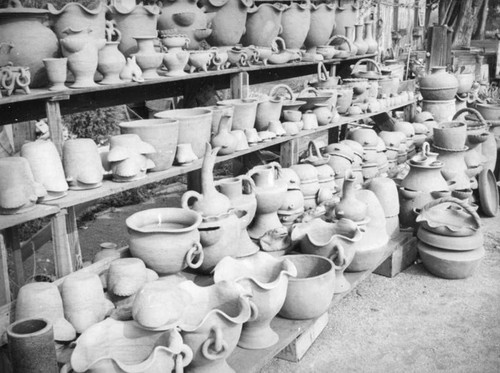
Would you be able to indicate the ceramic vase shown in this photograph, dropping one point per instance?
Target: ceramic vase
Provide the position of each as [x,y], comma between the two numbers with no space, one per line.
[369,37]
[345,15]
[268,279]
[162,134]
[321,26]
[268,110]
[33,41]
[349,206]
[123,347]
[77,17]
[361,45]
[19,191]
[82,50]
[139,19]
[270,193]
[47,167]
[56,72]
[82,164]
[175,59]
[31,346]
[295,22]
[240,191]
[263,24]
[245,111]
[147,58]
[439,85]
[194,127]
[224,138]
[111,63]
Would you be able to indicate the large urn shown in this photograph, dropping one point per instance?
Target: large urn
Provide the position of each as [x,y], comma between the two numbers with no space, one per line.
[77,16]
[439,85]
[322,25]
[345,15]
[295,23]
[263,24]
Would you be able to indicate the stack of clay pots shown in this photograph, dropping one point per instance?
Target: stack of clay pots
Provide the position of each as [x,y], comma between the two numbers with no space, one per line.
[438,90]
[372,160]
[293,206]
[309,183]
[450,239]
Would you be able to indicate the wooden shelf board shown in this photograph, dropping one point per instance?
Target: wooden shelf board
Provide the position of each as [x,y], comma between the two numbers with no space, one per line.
[39,211]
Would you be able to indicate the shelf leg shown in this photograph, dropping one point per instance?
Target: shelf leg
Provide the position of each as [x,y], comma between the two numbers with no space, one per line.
[74,241]
[55,124]
[289,153]
[410,111]
[239,85]
[63,253]
[4,273]
[12,242]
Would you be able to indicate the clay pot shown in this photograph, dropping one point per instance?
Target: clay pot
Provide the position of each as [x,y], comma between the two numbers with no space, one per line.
[175,62]
[442,110]
[47,167]
[127,275]
[321,25]
[295,23]
[147,58]
[450,135]
[194,127]
[323,114]
[18,189]
[111,63]
[310,293]
[268,110]
[43,300]
[224,138]
[365,136]
[27,339]
[123,347]
[268,278]
[240,191]
[82,50]
[455,168]
[82,164]
[84,301]
[349,206]
[312,97]
[56,72]
[361,45]
[132,21]
[162,134]
[263,24]
[166,239]
[345,15]
[489,111]
[32,40]
[212,323]
[344,99]
[245,111]
[450,264]
[77,16]
[127,157]
[369,38]
[270,194]
[439,85]
[200,60]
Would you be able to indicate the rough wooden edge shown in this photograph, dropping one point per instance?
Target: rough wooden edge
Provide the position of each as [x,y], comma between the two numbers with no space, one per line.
[403,257]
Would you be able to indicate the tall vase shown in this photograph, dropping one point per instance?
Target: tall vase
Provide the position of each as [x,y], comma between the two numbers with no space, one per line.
[349,34]
[349,206]
[77,16]
[111,63]
[321,26]
[295,22]
[263,24]
[369,37]
[358,41]
[147,58]
[345,15]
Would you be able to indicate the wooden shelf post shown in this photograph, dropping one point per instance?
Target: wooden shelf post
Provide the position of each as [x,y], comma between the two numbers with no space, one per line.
[64,254]
[54,121]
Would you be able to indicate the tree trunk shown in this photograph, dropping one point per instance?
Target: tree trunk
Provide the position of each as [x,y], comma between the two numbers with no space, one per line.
[480,31]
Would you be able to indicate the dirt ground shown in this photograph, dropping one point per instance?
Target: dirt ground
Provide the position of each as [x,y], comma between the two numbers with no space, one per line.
[414,322]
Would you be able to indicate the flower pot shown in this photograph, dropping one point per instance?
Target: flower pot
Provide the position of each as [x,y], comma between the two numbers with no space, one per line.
[321,25]
[245,111]
[56,72]
[295,23]
[450,135]
[77,17]
[82,164]
[263,24]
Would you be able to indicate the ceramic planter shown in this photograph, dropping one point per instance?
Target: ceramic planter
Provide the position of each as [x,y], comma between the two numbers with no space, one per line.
[310,293]
[200,60]
[18,189]
[263,24]
[111,63]
[122,347]
[77,16]
[245,111]
[137,20]
[33,41]
[147,58]
[439,85]
[489,111]
[194,127]
[56,72]
[321,25]
[442,110]
[295,23]
[166,239]
[31,346]
[162,134]
[82,164]
[268,279]
[450,135]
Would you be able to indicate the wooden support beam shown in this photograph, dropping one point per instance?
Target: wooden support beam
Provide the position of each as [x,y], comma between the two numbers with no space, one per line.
[54,121]
[4,273]
[12,243]
[239,85]
[289,153]
[64,255]
[73,240]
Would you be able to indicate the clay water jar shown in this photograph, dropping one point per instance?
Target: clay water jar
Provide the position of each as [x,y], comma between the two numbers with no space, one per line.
[267,277]
[295,23]
[211,324]
[240,191]
[114,346]
[47,168]
[166,239]
[194,127]
[127,275]
[82,164]
[439,85]
[450,135]
[111,63]
[245,111]
[19,191]
[310,293]
[263,24]
[321,25]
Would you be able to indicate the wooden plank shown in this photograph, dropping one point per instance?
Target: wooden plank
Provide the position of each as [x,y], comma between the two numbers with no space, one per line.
[289,153]
[39,211]
[299,346]
[403,257]
[73,240]
[54,122]
[12,243]
[4,273]
[64,256]
[23,132]
[239,85]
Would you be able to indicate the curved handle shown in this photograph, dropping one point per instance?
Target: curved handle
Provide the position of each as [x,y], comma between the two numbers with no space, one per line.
[408,194]
[342,37]
[277,169]
[247,183]
[322,72]
[183,359]
[187,196]
[275,44]
[367,60]
[426,149]
[473,112]
[314,148]
[254,311]
[464,205]
[66,368]
[309,90]
[277,87]
[214,347]
[440,194]
[340,256]
[195,251]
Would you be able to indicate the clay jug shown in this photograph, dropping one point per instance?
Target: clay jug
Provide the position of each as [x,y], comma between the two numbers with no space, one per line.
[175,59]
[349,206]
[133,21]
[369,37]
[270,193]
[162,134]
[240,191]
[82,50]
[245,111]
[224,139]
[345,15]
[360,44]
[77,16]
[18,189]
[263,24]
[269,109]
[32,40]
[228,24]
[111,63]
[439,85]
[82,164]
[351,47]
[295,22]
[210,202]
[321,26]
[455,168]
[267,277]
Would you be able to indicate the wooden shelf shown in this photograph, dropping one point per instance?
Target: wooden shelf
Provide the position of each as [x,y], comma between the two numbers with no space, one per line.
[39,211]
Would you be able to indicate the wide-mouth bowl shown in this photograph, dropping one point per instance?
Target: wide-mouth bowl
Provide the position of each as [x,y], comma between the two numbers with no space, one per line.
[164,220]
